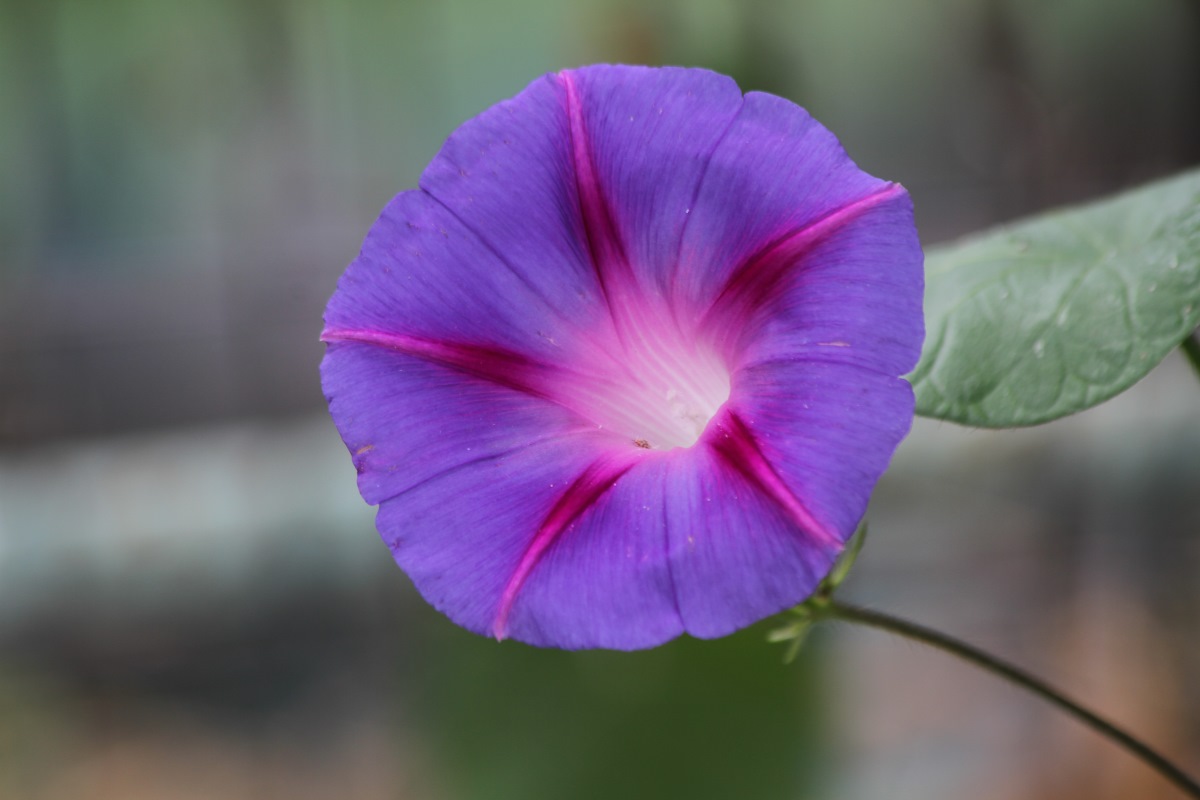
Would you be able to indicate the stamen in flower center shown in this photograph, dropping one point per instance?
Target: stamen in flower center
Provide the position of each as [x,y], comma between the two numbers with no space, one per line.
[659,391]
[691,395]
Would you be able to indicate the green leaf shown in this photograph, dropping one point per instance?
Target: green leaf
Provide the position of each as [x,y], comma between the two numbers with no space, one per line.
[1060,312]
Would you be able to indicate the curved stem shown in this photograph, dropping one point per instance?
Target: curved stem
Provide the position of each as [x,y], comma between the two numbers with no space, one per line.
[1191,349]
[833,609]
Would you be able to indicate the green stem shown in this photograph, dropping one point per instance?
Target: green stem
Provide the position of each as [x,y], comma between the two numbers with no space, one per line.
[1191,349]
[833,609]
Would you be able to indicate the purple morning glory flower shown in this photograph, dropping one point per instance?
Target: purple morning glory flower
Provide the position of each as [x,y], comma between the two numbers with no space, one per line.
[626,365]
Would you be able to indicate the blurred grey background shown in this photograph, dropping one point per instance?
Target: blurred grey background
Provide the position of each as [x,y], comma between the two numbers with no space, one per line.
[193,601]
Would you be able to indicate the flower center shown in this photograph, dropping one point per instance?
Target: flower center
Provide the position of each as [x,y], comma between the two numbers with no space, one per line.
[679,404]
[661,390]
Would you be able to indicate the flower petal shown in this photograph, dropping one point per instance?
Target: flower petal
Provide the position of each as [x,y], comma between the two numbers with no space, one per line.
[407,419]
[825,252]
[422,273]
[827,429]
[643,139]
[737,554]
[606,580]
[509,176]
[463,535]
[852,296]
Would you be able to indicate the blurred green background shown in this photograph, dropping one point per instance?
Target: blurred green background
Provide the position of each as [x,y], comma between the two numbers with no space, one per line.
[193,602]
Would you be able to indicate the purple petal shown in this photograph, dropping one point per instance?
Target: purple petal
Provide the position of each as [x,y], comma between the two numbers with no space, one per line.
[423,274]
[853,296]
[605,578]
[737,553]
[821,253]
[827,429]
[509,176]
[467,536]
[736,445]
[406,419]
[643,138]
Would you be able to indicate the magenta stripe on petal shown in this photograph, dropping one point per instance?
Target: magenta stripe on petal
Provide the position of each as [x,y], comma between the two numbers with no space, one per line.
[753,282]
[604,243]
[490,363]
[597,479]
[732,440]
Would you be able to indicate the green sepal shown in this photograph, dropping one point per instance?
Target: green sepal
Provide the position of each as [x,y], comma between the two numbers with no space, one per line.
[841,567]
[795,631]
